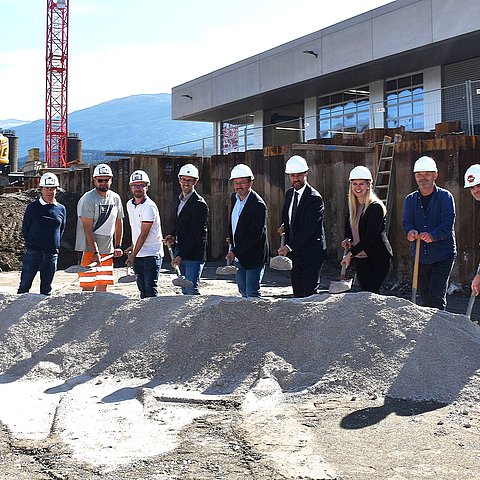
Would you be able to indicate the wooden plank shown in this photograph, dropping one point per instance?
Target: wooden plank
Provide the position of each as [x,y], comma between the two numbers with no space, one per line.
[331,148]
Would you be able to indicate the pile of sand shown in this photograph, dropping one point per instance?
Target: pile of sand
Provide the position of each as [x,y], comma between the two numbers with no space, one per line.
[346,344]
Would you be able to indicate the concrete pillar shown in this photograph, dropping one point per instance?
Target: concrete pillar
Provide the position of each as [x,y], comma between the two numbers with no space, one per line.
[432,99]
[258,129]
[311,118]
[217,138]
[377,104]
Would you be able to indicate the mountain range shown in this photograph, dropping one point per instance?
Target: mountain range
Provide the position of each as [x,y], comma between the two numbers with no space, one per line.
[133,124]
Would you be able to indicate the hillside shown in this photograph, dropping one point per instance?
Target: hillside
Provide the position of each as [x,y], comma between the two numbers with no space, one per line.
[135,123]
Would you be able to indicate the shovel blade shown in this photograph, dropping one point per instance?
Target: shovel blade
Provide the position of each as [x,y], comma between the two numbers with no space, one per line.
[182,282]
[340,286]
[281,263]
[228,270]
[76,269]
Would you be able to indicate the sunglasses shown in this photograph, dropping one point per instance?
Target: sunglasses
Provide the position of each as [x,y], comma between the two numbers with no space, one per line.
[103,180]
[139,185]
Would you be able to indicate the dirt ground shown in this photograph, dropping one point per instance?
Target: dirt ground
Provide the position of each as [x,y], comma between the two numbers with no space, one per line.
[349,386]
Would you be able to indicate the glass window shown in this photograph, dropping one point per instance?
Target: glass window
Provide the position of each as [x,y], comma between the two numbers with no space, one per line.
[347,111]
[404,98]
[237,134]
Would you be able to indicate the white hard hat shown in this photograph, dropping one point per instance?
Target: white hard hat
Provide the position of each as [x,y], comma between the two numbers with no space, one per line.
[102,169]
[425,164]
[360,173]
[139,176]
[296,164]
[241,170]
[49,180]
[189,170]
[472,176]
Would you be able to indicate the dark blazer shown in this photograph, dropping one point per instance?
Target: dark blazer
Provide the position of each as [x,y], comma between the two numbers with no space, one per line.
[373,238]
[250,244]
[191,229]
[306,237]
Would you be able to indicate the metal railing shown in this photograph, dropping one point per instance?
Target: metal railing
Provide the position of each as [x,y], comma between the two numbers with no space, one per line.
[419,112]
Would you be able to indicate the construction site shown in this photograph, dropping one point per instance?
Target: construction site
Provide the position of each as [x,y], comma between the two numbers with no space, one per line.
[346,386]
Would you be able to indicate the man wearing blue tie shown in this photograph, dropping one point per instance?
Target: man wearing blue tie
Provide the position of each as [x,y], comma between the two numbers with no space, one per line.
[302,218]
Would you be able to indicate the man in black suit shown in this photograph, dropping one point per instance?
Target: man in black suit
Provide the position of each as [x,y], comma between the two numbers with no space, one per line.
[248,232]
[190,234]
[302,218]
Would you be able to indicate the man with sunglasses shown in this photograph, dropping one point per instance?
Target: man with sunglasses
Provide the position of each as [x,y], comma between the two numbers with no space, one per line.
[99,231]
[146,252]
[190,234]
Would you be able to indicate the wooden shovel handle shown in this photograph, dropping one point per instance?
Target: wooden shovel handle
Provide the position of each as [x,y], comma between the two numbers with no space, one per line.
[343,272]
[415,270]
[102,259]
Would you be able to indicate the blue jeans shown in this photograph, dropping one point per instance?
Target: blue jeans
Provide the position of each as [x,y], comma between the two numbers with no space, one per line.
[191,270]
[433,283]
[248,280]
[33,262]
[147,270]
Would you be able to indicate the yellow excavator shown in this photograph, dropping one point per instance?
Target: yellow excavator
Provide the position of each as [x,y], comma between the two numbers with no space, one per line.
[3,152]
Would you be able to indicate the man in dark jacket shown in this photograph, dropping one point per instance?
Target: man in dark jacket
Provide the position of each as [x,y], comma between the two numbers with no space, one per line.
[248,232]
[190,234]
[429,214]
[302,219]
[42,228]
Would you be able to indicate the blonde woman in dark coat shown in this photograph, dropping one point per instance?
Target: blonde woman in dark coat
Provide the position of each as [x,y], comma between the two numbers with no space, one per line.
[365,235]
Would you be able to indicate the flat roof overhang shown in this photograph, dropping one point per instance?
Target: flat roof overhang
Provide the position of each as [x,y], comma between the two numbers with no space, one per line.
[440,53]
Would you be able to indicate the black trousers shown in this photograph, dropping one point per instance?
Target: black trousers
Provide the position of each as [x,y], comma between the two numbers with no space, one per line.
[305,278]
[370,275]
[433,282]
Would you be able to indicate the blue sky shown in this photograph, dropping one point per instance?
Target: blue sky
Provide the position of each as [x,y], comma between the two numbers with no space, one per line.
[119,48]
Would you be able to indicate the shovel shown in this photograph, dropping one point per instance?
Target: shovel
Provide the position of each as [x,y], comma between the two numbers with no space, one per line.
[180,281]
[415,271]
[344,284]
[86,268]
[280,262]
[468,313]
[229,269]
[129,277]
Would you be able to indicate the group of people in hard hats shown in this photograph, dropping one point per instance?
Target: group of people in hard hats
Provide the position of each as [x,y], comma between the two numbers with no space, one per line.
[428,221]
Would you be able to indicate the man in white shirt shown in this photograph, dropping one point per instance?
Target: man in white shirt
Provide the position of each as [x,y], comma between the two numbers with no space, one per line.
[146,252]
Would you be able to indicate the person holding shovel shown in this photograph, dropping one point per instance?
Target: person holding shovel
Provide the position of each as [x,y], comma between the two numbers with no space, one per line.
[429,215]
[302,222]
[146,252]
[247,232]
[472,182]
[42,228]
[190,233]
[99,231]
[365,235]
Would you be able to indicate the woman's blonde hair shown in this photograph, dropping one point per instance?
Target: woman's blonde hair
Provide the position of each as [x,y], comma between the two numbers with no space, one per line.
[370,198]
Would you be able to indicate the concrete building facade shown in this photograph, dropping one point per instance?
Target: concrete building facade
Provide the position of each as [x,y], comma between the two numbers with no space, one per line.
[411,62]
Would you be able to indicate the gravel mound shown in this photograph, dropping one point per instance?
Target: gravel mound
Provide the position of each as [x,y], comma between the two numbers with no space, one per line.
[348,344]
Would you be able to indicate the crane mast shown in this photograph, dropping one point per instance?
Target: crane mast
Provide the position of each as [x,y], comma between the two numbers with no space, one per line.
[56,113]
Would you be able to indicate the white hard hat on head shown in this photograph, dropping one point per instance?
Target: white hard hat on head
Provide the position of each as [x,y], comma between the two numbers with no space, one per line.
[139,176]
[240,171]
[102,170]
[296,164]
[360,173]
[472,176]
[189,170]
[49,180]
[425,164]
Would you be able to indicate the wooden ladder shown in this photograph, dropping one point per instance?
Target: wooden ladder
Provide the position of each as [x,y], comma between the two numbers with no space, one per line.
[384,179]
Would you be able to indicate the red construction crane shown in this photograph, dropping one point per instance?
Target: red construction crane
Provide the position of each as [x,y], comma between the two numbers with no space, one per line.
[56,113]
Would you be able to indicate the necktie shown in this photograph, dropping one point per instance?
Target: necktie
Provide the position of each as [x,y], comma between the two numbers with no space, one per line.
[294,207]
